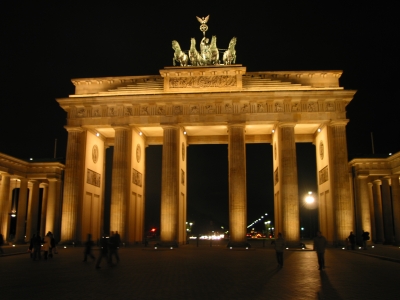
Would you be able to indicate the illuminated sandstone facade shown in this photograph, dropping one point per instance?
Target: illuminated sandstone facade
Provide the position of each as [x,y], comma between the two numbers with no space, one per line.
[26,188]
[376,193]
[203,105]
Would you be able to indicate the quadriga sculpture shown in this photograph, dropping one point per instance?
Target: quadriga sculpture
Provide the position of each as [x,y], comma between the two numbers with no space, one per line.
[230,54]
[179,55]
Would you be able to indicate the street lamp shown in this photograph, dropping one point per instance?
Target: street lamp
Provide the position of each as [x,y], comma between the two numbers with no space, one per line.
[309,204]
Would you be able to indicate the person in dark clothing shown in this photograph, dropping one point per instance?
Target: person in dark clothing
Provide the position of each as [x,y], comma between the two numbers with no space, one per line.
[1,244]
[320,244]
[37,244]
[103,251]
[113,246]
[365,238]
[88,248]
[352,240]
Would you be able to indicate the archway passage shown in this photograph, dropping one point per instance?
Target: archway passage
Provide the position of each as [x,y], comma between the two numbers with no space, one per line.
[186,106]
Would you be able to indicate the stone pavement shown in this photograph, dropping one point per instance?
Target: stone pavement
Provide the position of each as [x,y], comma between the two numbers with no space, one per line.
[203,272]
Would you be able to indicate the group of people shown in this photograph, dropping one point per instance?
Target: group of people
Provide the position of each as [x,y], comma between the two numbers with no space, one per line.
[47,245]
[320,244]
[351,240]
[108,248]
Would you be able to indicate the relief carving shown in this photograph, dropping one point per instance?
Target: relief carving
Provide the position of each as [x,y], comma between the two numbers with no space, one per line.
[96,112]
[160,110]
[93,178]
[323,175]
[143,110]
[128,111]
[295,107]
[228,108]
[194,110]
[177,110]
[311,106]
[202,82]
[245,108]
[260,107]
[112,112]
[209,108]
[278,107]
[136,177]
[80,113]
[330,107]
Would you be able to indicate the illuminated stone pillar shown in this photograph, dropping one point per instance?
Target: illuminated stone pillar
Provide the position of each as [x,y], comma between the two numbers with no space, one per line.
[376,190]
[387,212]
[45,187]
[33,209]
[289,190]
[341,196]
[372,209]
[21,212]
[72,185]
[362,200]
[237,185]
[396,206]
[120,182]
[53,208]
[5,204]
[170,186]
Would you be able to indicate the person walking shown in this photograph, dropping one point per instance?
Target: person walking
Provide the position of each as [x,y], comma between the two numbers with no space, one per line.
[352,240]
[280,245]
[88,248]
[46,245]
[103,251]
[365,238]
[37,241]
[319,246]
[113,247]
[1,244]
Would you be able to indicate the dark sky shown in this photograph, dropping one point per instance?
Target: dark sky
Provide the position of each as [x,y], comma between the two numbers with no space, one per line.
[43,46]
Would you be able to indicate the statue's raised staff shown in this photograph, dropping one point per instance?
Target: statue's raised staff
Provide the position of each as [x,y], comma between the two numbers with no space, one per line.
[229,57]
[179,55]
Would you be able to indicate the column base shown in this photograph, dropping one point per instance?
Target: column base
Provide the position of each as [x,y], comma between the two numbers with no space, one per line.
[238,245]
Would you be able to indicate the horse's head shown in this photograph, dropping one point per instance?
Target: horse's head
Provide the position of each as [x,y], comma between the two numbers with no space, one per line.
[175,45]
[233,42]
[214,41]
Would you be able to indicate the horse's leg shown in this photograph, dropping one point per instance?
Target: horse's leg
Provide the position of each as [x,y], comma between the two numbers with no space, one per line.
[173,61]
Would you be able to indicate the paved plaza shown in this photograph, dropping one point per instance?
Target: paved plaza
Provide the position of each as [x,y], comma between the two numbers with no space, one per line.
[203,272]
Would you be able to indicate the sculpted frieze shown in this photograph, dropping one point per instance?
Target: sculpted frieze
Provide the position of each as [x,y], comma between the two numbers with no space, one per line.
[194,109]
[177,110]
[81,112]
[260,107]
[160,110]
[203,81]
[143,110]
[112,112]
[128,111]
[228,108]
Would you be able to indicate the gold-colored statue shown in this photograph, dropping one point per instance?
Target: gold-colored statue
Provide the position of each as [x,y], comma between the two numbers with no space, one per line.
[209,53]
[229,57]
[179,55]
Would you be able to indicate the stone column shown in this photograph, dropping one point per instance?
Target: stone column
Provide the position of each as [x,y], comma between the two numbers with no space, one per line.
[339,170]
[170,186]
[237,185]
[396,206]
[364,212]
[5,204]
[372,209]
[121,179]
[45,187]
[72,185]
[33,209]
[21,212]
[53,208]
[387,212]
[376,190]
[289,189]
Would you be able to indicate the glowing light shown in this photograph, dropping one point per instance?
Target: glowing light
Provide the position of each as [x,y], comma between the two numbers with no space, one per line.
[97,134]
[230,248]
[309,199]
[184,132]
[319,129]
[273,130]
[140,133]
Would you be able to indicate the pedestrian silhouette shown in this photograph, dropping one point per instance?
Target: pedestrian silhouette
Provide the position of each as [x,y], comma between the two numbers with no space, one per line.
[88,248]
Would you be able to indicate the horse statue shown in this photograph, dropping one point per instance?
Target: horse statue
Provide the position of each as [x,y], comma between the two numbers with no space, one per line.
[195,57]
[214,59]
[229,57]
[179,55]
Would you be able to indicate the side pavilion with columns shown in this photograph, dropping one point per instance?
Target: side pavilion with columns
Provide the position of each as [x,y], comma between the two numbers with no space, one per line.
[203,105]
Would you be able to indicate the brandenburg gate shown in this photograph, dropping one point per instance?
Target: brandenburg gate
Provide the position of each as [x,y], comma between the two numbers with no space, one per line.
[206,102]
[214,104]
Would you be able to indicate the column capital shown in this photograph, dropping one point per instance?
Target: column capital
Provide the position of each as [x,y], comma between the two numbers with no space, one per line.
[377,181]
[339,122]
[74,129]
[286,124]
[121,127]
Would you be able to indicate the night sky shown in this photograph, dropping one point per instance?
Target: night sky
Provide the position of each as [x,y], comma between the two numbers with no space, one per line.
[43,46]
